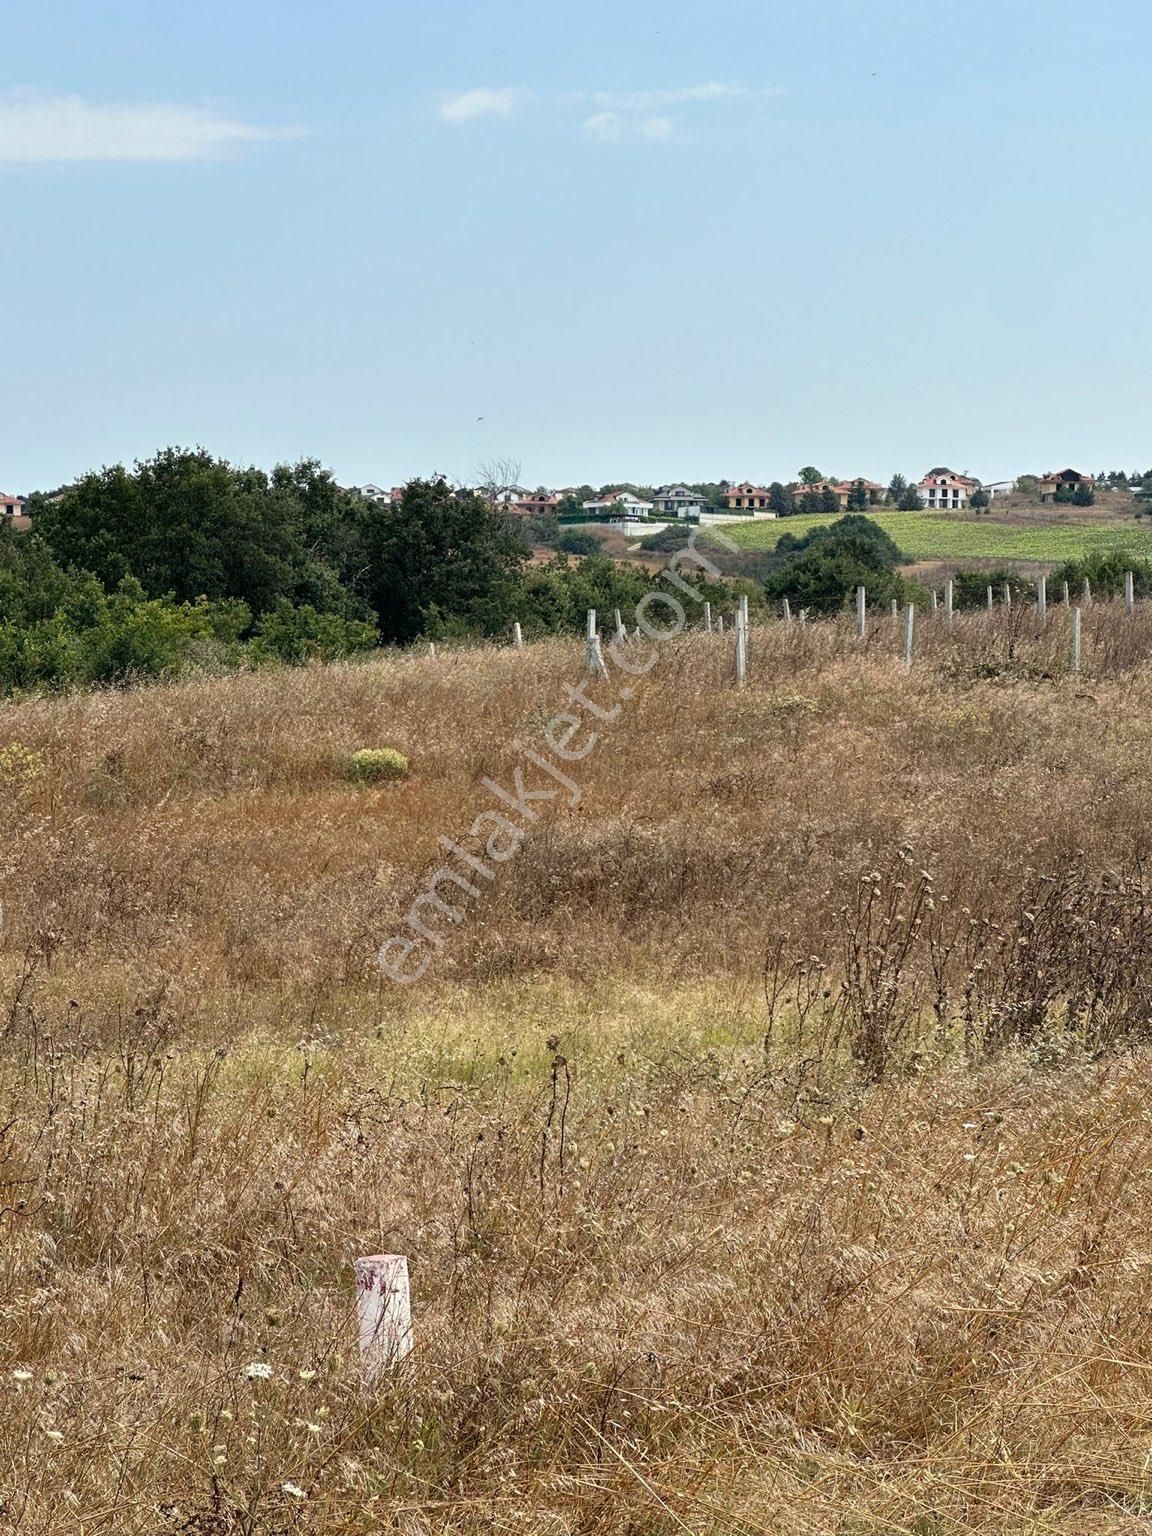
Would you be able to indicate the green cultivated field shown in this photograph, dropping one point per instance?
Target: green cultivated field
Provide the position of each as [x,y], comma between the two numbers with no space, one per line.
[938,536]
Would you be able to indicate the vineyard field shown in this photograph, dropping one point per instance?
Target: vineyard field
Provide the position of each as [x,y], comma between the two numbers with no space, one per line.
[935,536]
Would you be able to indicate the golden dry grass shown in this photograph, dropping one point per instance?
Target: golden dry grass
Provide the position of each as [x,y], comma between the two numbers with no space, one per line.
[771,1145]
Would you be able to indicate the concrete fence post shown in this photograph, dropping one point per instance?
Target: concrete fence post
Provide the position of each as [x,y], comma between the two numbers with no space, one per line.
[948,602]
[861,613]
[432,650]
[1129,592]
[1076,640]
[909,629]
[895,609]
[935,605]
[517,636]
[787,611]
[707,618]
[1042,599]
[594,656]
[621,633]
[719,623]
[742,642]
[1065,596]
[383,1313]
[1087,593]
[991,600]
[1007,594]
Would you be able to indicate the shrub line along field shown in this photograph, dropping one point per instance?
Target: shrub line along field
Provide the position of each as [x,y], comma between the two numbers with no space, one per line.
[942,536]
[770,1146]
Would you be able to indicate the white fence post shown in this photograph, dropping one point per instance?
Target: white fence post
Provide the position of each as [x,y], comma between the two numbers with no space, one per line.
[948,602]
[895,608]
[719,623]
[861,613]
[517,636]
[909,628]
[1007,594]
[383,1313]
[1129,592]
[621,632]
[1076,640]
[742,642]
[1042,599]
[1087,593]
[787,611]
[991,600]
[595,659]
[432,650]
[934,603]
[1065,596]
[707,618]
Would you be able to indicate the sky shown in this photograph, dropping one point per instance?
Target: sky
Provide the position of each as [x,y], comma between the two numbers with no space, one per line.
[645,240]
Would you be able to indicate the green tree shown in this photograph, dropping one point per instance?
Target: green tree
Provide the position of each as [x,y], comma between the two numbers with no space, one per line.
[896,488]
[910,500]
[830,502]
[781,499]
[194,526]
[980,500]
[858,497]
[442,563]
[822,570]
[810,475]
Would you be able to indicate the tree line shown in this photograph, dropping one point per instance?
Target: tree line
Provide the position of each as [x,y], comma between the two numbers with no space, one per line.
[185,560]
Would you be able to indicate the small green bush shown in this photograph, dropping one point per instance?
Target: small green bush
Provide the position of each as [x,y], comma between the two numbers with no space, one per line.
[372,765]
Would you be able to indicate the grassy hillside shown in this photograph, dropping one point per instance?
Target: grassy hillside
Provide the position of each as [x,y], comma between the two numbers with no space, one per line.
[945,536]
[769,1141]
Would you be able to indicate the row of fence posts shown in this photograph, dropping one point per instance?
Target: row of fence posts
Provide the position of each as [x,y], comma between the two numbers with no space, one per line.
[714,624]
[1041,611]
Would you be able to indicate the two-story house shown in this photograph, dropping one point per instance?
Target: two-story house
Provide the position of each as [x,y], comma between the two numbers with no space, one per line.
[747,498]
[945,490]
[678,501]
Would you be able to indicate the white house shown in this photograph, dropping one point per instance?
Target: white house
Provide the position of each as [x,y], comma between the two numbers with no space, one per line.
[380,495]
[944,488]
[622,503]
[678,501]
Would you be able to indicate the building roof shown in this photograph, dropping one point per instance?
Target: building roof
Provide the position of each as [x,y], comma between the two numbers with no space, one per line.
[746,488]
[935,475]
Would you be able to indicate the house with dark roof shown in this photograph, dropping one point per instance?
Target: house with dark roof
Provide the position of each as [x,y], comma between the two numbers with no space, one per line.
[678,501]
[1069,480]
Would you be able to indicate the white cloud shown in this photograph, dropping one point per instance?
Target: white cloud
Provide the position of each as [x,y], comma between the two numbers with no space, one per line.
[36,128]
[658,129]
[604,127]
[484,101]
[683,96]
[606,117]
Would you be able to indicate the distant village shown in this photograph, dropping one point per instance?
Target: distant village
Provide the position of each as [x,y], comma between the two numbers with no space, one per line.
[628,506]
[623,507]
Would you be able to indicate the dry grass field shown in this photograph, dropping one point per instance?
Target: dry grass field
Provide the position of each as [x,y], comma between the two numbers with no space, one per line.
[771,1143]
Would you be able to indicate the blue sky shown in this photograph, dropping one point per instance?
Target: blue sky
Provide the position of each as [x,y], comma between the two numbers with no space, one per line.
[636,239]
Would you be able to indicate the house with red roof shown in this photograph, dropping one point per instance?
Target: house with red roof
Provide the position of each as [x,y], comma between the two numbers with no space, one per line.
[841,489]
[746,498]
[11,506]
[943,489]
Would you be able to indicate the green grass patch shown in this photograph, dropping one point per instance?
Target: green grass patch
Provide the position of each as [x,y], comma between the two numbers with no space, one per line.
[937,536]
